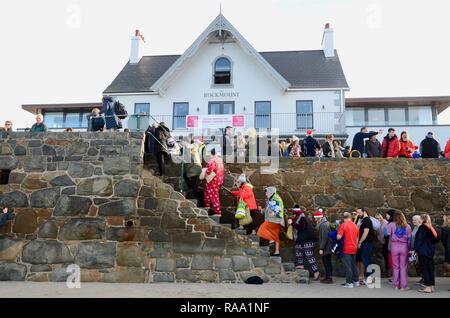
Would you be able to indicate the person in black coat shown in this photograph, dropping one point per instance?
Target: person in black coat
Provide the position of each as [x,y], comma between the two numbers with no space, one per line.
[310,146]
[97,122]
[162,134]
[425,247]
[373,147]
[429,147]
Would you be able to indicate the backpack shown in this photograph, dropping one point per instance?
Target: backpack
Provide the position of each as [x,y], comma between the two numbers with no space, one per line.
[337,247]
[120,110]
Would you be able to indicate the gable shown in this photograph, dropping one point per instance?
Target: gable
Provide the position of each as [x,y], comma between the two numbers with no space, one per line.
[289,69]
[220,25]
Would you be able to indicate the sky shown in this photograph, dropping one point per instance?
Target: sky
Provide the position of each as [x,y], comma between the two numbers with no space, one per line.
[59,51]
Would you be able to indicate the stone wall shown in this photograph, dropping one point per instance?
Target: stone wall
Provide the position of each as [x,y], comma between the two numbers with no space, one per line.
[73,196]
[412,186]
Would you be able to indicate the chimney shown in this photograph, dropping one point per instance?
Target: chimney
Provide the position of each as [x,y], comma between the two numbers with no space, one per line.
[328,41]
[135,55]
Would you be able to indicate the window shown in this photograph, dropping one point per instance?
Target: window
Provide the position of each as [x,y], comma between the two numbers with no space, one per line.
[68,119]
[72,120]
[221,108]
[54,119]
[4,177]
[397,116]
[376,117]
[84,119]
[142,108]
[222,71]
[180,111]
[305,114]
[420,115]
[356,116]
[262,114]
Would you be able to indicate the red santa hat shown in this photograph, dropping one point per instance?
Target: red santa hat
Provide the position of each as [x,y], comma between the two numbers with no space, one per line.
[309,132]
[297,210]
[318,213]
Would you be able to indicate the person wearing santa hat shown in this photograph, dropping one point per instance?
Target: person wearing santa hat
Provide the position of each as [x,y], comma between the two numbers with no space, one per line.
[304,240]
[323,227]
[310,145]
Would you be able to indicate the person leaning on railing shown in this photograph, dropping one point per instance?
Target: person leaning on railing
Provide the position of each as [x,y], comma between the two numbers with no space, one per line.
[39,126]
[97,121]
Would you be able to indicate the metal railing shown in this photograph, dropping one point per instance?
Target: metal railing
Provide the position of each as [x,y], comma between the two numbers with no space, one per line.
[287,123]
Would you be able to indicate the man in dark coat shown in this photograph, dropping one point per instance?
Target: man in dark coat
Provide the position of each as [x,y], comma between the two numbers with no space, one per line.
[358,140]
[310,145]
[429,147]
[162,133]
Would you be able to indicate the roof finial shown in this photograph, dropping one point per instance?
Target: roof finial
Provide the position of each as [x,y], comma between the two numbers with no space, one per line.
[220,9]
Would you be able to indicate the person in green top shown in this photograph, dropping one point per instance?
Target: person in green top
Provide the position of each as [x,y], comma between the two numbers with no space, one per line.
[274,219]
[39,126]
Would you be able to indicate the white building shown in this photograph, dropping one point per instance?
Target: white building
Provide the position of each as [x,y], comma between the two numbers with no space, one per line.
[221,73]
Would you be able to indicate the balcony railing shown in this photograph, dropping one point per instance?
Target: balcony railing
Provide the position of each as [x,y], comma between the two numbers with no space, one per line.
[286,123]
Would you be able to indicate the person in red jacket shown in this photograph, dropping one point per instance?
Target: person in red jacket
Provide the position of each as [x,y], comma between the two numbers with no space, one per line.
[246,194]
[447,149]
[406,146]
[390,145]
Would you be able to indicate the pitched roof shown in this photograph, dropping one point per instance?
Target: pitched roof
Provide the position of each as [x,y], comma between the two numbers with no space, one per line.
[303,69]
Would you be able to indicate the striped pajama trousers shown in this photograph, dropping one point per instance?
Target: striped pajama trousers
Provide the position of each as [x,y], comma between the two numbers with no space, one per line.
[306,250]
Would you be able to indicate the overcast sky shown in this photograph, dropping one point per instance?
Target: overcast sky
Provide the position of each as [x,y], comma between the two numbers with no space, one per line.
[56,51]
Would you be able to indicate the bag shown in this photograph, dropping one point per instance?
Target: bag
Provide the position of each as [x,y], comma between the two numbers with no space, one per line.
[337,247]
[254,280]
[202,174]
[120,110]
[171,142]
[210,177]
[241,211]
[412,259]
[290,232]
[247,219]
[375,224]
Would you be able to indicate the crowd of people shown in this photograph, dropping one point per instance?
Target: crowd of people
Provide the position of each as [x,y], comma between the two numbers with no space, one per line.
[353,240]
[365,145]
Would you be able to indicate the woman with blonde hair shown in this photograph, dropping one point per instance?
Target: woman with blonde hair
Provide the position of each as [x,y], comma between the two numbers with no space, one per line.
[97,122]
[328,147]
[424,245]
[295,150]
[400,234]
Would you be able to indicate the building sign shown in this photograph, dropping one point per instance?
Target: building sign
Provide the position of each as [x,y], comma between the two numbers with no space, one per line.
[221,94]
[215,121]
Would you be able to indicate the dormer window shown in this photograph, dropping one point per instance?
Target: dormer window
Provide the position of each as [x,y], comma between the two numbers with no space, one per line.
[222,71]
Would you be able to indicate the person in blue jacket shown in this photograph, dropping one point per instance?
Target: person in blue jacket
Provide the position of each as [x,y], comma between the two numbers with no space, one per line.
[358,140]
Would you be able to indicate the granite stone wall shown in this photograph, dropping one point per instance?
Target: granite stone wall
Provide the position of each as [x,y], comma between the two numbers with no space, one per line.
[339,185]
[85,199]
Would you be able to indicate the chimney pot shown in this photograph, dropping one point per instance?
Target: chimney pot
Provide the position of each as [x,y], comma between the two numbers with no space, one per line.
[135,55]
[328,41]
